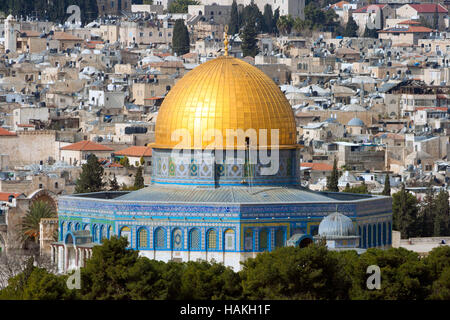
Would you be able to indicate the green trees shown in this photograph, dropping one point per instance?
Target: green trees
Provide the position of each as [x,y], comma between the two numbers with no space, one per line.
[91,177]
[234,25]
[30,224]
[180,39]
[333,180]
[442,217]
[387,186]
[405,213]
[436,18]
[370,33]
[268,18]
[358,189]
[295,273]
[249,41]
[285,24]
[181,6]
[139,179]
[351,29]
[252,15]
[314,272]
[113,184]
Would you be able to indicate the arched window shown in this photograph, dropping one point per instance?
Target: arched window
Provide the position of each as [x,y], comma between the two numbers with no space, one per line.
[279,238]
[194,239]
[142,238]
[87,227]
[61,233]
[264,240]
[379,234]
[177,239]
[103,234]
[369,236]
[384,234]
[160,238]
[69,226]
[109,232]
[77,226]
[126,233]
[389,233]
[374,235]
[94,233]
[364,238]
[229,239]
[212,239]
[248,240]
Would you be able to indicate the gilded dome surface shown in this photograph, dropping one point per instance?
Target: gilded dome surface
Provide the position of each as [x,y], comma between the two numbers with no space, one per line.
[224,93]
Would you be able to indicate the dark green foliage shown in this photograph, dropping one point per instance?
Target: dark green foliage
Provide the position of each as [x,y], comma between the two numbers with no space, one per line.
[252,15]
[359,189]
[405,213]
[403,275]
[181,6]
[370,33]
[268,19]
[294,273]
[180,39]
[139,179]
[351,29]
[30,223]
[436,18]
[333,180]
[51,10]
[91,177]
[285,24]
[442,217]
[318,19]
[234,25]
[116,273]
[387,186]
[276,16]
[249,41]
[36,284]
[113,184]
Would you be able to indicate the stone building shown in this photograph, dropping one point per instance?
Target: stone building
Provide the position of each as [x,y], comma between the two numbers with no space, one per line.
[113,7]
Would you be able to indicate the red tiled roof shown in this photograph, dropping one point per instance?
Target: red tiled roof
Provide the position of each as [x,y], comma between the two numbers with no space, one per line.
[87,146]
[364,9]
[428,8]
[410,29]
[339,4]
[432,108]
[4,196]
[409,22]
[25,125]
[317,166]
[135,151]
[65,36]
[4,132]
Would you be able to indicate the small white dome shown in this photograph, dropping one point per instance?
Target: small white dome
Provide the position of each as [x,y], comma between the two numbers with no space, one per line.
[336,225]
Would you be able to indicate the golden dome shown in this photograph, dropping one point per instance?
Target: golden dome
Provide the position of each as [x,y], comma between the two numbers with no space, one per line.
[224,93]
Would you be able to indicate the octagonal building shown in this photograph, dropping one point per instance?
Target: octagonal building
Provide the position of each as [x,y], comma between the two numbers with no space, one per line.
[225,181]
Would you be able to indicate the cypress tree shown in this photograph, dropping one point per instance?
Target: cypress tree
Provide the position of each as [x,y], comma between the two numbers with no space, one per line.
[405,216]
[249,41]
[268,18]
[333,180]
[180,39]
[276,16]
[351,29]
[139,179]
[436,18]
[234,19]
[91,177]
[442,219]
[387,186]
[113,184]
[427,214]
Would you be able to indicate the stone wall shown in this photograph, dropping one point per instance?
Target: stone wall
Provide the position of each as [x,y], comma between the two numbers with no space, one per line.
[47,230]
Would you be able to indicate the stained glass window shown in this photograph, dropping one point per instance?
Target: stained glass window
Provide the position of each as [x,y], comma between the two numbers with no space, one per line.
[279,238]
[229,239]
[263,240]
[160,238]
[143,238]
[195,240]
[212,239]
